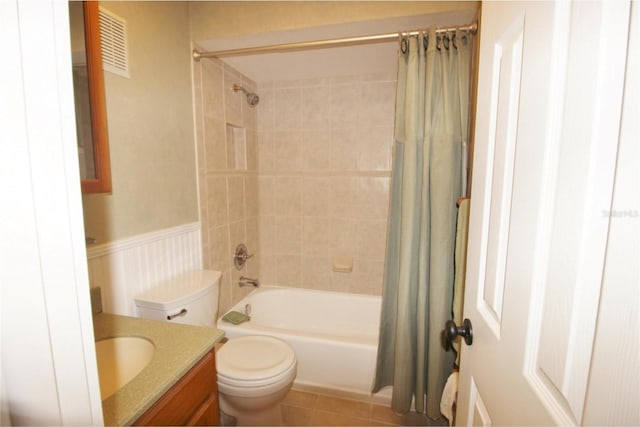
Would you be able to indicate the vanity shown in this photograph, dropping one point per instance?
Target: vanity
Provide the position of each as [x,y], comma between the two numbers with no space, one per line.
[178,385]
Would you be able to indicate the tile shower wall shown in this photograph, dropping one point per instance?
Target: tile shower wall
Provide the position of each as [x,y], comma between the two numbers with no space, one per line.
[228,184]
[315,184]
[324,161]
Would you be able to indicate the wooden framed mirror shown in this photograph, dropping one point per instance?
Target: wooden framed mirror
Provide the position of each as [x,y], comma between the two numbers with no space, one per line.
[89,96]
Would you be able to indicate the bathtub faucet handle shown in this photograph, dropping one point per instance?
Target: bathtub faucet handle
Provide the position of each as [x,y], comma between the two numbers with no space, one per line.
[248,281]
[240,256]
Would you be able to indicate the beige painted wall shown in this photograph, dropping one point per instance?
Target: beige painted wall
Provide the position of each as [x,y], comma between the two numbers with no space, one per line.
[150,119]
[221,19]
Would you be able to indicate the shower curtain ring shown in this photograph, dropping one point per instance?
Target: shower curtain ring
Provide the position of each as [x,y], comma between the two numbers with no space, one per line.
[445,41]
[403,44]
[453,40]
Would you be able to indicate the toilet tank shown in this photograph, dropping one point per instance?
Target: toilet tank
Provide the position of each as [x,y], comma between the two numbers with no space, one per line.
[190,298]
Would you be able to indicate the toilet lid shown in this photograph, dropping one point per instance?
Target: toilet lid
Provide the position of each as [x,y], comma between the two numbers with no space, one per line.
[254,357]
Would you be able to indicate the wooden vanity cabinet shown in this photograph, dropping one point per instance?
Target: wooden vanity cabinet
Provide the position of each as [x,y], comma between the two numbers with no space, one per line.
[192,401]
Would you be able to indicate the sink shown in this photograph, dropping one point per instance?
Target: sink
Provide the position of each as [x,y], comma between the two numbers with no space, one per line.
[120,359]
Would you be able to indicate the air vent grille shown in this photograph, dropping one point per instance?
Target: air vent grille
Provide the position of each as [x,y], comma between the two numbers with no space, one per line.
[113,41]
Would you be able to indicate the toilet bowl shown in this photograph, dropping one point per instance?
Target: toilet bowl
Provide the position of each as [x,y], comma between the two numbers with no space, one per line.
[254,375]
[254,372]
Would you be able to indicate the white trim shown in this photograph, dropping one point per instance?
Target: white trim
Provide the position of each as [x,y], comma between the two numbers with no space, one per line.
[110,248]
[49,373]
[128,267]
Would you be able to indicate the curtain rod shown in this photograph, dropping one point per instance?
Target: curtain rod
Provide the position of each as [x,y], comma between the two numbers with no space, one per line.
[320,44]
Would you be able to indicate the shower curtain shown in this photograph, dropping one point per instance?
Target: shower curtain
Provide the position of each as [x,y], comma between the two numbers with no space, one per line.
[427,179]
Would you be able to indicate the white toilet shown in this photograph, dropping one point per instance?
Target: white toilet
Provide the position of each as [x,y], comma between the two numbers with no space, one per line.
[254,372]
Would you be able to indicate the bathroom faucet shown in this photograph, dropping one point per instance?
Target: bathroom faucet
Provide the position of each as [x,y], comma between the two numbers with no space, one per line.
[248,281]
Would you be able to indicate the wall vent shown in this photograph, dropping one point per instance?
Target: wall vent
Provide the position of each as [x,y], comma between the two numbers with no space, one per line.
[113,41]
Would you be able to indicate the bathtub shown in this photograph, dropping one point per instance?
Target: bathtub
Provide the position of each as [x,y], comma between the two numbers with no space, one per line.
[334,335]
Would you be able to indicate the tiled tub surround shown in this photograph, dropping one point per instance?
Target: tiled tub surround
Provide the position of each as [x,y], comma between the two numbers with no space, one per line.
[228,197]
[316,182]
[324,159]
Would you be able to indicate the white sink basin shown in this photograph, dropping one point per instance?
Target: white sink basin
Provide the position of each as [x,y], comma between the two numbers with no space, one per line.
[120,359]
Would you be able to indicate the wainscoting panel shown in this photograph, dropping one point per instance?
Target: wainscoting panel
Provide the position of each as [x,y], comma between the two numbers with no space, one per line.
[128,267]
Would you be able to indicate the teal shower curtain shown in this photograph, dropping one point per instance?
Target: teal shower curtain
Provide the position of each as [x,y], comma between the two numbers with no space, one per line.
[427,179]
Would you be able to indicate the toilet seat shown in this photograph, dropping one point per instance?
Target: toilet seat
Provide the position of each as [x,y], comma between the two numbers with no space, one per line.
[255,360]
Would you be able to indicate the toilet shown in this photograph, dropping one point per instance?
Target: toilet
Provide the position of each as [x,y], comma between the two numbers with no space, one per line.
[255,372]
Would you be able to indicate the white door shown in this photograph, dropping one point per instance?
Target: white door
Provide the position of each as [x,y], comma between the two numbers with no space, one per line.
[551,80]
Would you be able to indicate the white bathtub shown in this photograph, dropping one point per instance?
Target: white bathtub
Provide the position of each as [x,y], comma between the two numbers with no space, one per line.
[334,335]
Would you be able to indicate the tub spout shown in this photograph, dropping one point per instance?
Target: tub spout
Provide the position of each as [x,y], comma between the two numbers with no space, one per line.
[248,281]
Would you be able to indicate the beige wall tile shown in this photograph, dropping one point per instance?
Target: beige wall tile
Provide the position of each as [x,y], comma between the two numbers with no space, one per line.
[288,196]
[238,292]
[314,144]
[316,272]
[266,195]
[206,253]
[229,202]
[252,241]
[249,112]
[232,100]
[288,150]
[268,269]
[289,270]
[252,238]
[288,235]
[315,196]
[343,197]
[252,149]
[212,81]
[340,282]
[283,84]
[345,105]
[265,112]
[315,107]
[378,104]
[220,248]
[235,195]
[316,150]
[366,277]
[251,195]
[237,235]
[225,299]
[214,144]
[267,234]
[371,197]
[374,149]
[343,236]
[217,200]
[315,236]
[266,151]
[344,149]
[288,108]
[371,239]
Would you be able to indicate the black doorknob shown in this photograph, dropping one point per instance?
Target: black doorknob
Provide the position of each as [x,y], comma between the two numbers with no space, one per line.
[466,330]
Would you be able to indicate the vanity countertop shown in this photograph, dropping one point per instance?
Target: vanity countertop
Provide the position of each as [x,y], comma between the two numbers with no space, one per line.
[177,349]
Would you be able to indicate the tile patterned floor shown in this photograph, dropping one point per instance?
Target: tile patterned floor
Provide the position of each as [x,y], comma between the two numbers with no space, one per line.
[310,409]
